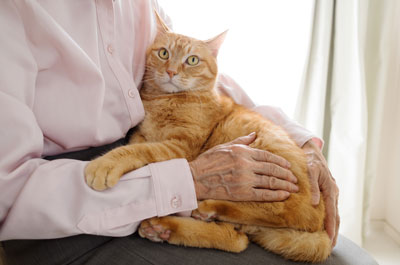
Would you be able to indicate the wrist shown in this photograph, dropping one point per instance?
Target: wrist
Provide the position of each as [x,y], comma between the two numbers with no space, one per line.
[198,186]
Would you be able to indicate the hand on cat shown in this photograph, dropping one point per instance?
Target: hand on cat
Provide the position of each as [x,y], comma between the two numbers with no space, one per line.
[234,171]
[322,181]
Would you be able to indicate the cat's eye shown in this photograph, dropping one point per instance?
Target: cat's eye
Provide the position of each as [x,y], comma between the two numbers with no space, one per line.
[192,60]
[163,53]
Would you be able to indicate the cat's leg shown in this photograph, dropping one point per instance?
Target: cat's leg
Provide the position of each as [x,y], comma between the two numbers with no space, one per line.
[194,233]
[137,138]
[106,170]
[277,215]
[234,212]
[290,243]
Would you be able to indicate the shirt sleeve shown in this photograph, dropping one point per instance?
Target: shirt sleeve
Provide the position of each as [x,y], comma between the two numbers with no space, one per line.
[299,134]
[49,199]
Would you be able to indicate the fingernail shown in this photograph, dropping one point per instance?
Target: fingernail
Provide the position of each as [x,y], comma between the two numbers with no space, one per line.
[294,179]
[252,134]
[331,242]
[296,188]
[314,200]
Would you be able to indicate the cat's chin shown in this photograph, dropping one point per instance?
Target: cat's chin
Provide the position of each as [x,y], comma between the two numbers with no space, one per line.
[171,88]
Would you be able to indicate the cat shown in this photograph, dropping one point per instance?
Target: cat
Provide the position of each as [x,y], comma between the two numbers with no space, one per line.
[188,117]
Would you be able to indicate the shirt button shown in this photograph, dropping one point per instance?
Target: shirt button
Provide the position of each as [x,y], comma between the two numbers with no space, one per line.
[176,202]
[131,93]
[110,49]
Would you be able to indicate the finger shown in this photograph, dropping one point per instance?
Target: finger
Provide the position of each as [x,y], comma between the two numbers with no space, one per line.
[273,183]
[246,140]
[337,229]
[315,191]
[273,170]
[337,221]
[265,156]
[330,218]
[270,195]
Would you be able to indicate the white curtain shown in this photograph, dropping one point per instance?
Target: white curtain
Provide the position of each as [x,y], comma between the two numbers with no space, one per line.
[352,68]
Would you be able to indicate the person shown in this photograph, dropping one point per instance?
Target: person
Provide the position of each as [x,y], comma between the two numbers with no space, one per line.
[70,80]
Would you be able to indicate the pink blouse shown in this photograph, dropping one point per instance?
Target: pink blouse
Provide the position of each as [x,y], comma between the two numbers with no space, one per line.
[69,79]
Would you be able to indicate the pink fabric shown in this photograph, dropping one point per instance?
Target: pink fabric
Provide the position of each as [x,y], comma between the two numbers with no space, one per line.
[69,79]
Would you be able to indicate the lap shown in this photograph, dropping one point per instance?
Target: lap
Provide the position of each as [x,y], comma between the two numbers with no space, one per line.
[97,250]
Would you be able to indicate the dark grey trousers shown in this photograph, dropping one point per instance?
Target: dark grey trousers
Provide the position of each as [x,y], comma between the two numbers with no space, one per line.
[98,250]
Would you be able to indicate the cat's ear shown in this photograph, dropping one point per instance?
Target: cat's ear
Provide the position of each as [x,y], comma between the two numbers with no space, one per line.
[162,28]
[215,43]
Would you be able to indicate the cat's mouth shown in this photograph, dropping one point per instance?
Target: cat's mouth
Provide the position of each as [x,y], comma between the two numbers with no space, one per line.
[171,87]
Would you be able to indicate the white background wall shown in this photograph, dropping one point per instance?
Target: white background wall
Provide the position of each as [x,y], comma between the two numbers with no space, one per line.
[385,202]
[383,81]
[266,46]
[391,168]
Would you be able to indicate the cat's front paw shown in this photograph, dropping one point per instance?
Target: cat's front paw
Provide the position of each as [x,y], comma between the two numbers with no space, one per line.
[102,173]
[205,212]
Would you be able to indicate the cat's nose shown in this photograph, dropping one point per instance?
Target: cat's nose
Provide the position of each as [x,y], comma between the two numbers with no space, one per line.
[171,73]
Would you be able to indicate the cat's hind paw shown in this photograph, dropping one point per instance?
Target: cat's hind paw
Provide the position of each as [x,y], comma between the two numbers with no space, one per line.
[207,217]
[205,211]
[102,173]
[153,230]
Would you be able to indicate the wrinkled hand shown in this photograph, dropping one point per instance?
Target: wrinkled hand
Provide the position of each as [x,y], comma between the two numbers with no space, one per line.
[322,181]
[234,171]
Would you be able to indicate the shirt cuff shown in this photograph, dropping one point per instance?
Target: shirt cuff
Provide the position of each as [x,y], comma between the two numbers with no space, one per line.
[173,187]
[169,191]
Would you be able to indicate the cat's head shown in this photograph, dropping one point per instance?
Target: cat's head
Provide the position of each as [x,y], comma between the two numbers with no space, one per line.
[177,63]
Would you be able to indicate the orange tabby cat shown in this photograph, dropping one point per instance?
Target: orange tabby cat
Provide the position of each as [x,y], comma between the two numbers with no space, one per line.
[185,116]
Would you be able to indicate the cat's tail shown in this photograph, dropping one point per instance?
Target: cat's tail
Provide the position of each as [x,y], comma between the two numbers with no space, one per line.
[292,244]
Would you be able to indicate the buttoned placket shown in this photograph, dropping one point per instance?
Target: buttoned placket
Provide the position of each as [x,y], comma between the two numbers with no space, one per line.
[105,15]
